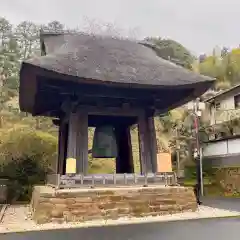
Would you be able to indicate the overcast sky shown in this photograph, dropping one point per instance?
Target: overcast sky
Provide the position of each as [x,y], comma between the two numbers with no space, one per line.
[198,24]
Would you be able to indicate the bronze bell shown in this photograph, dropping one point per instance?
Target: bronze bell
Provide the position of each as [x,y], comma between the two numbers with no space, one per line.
[104,143]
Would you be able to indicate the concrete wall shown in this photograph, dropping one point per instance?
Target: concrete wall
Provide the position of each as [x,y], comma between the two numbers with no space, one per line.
[225,153]
[223,147]
[222,161]
[227,103]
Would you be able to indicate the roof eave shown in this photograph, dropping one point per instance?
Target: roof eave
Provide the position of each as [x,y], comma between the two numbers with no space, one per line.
[214,98]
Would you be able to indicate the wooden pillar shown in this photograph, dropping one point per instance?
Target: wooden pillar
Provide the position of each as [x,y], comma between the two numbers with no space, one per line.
[65,148]
[78,140]
[62,147]
[153,143]
[144,144]
[124,161]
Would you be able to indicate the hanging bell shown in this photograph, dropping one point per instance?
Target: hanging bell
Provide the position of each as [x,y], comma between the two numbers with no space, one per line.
[104,143]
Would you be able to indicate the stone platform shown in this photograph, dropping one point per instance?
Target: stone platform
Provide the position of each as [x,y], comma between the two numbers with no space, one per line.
[80,205]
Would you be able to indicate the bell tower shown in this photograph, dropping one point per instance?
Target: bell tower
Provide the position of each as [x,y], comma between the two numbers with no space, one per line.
[112,138]
[107,83]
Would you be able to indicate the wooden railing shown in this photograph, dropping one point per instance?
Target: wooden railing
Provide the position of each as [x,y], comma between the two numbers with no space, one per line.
[110,180]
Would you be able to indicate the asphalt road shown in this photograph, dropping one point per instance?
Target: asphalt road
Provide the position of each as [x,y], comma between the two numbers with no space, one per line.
[220,229]
[232,204]
[210,229]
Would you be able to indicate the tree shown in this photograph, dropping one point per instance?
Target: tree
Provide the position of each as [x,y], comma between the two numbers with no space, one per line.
[173,51]
[232,63]
[225,67]
[27,34]
[54,26]
[171,122]
[5,30]
[94,26]
[10,64]
[28,39]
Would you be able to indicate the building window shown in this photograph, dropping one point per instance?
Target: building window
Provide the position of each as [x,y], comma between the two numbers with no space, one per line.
[217,105]
[237,101]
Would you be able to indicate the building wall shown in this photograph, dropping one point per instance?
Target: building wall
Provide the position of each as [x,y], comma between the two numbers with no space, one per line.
[223,153]
[226,112]
[227,103]
[212,113]
[215,149]
[230,146]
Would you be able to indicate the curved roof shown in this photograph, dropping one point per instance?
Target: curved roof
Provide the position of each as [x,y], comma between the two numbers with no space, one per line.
[110,59]
[104,60]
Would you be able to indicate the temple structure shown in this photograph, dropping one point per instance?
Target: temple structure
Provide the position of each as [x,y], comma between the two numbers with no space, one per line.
[86,81]
[83,81]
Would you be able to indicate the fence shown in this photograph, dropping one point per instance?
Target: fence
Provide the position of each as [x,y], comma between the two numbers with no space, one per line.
[110,180]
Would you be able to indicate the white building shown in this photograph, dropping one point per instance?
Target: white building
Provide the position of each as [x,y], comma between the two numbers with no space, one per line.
[224,106]
[221,108]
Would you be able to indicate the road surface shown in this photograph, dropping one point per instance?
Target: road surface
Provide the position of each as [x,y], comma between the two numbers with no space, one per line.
[232,204]
[220,229]
[209,229]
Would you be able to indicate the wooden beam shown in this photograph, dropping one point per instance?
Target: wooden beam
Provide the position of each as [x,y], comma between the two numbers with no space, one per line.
[62,147]
[153,143]
[101,90]
[124,161]
[98,120]
[112,111]
[78,140]
[144,144]
[83,139]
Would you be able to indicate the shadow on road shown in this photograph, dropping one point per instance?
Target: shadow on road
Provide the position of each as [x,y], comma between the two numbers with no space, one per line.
[232,204]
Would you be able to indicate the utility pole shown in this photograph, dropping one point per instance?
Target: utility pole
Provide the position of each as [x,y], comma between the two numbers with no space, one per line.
[177,152]
[196,108]
[197,114]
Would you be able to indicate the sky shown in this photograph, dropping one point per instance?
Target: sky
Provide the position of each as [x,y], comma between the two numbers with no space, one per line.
[199,25]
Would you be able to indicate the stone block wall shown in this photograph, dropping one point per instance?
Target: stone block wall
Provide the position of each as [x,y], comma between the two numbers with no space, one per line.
[75,205]
[229,180]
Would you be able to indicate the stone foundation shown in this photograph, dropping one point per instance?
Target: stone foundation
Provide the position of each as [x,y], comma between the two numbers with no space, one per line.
[78,205]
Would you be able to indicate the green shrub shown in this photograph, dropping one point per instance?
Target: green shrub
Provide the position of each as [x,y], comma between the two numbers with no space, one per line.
[26,157]
[23,174]
[191,172]
[21,143]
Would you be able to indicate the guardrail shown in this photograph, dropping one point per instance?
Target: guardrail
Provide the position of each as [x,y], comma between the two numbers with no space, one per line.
[110,180]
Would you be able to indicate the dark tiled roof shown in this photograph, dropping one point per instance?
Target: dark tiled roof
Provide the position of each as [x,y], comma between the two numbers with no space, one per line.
[106,63]
[112,60]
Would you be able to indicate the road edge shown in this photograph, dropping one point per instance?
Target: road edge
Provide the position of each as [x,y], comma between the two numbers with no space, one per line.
[60,227]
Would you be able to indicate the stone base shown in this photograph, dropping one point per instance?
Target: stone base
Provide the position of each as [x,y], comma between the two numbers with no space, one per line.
[79,205]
